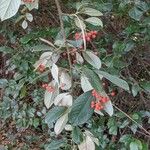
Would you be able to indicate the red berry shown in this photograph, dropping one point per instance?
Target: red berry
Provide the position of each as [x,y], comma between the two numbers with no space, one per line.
[92,104]
[77,36]
[95,32]
[41,68]
[104,100]
[93,92]
[64,54]
[74,61]
[88,39]
[44,85]
[81,47]
[93,36]
[113,93]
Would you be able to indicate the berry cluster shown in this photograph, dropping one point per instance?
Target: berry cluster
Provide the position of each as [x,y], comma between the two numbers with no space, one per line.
[48,88]
[101,100]
[41,68]
[88,36]
[28,1]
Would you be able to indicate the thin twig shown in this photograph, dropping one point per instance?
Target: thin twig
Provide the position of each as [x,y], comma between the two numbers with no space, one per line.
[132,120]
[64,34]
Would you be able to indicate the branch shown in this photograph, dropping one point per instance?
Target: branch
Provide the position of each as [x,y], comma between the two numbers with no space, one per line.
[63,33]
[140,126]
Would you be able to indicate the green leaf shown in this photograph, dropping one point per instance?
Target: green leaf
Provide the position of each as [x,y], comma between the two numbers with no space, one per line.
[113,130]
[91,12]
[95,21]
[129,46]
[135,13]
[41,47]
[36,122]
[133,146]
[81,110]
[114,79]
[55,145]
[77,135]
[135,89]
[79,23]
[54,114]
[6,50]
[3,83]
[125,138]
[8,8]
[145,85]
[93,79]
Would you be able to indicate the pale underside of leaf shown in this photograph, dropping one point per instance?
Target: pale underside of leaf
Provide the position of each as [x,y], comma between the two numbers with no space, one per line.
[91,12]
[79,58]
[95,21]
[87,144]
[92,59]
[63,99]
[85,84]
[55,72]
[65,81]
[8,8]
[24,24]
[61,123]
[50,96]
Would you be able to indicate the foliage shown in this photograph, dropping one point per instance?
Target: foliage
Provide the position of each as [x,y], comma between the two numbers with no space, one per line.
[79,73]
